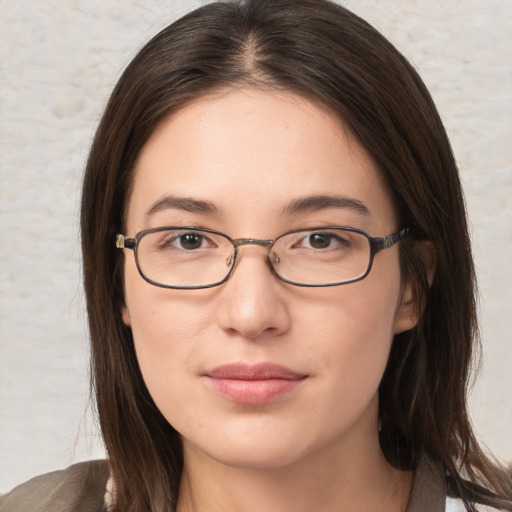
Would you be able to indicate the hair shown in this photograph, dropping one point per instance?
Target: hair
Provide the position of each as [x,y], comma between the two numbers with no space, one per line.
[325,53]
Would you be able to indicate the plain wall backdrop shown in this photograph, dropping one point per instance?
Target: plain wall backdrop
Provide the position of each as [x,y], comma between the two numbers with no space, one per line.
[58,63]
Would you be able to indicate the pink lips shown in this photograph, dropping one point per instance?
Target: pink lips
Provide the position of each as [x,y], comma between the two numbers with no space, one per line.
[253,384]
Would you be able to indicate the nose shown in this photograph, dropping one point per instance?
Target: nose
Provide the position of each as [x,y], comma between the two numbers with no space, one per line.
[252,300]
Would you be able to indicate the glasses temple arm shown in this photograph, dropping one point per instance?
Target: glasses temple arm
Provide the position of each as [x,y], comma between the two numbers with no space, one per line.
[125,243]
[378,244]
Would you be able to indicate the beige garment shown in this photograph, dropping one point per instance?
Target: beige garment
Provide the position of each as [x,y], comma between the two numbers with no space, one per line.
[79,488]
[82,488]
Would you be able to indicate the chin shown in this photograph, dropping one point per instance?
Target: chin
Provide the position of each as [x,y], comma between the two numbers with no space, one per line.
[254,455]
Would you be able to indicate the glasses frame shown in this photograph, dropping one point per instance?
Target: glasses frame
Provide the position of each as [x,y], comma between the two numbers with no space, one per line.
[377,244]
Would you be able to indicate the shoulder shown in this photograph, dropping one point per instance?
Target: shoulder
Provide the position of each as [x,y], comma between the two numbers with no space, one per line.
[79,488]
[432,492]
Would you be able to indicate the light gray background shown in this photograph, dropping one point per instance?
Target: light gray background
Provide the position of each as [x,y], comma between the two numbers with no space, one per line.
[58,63]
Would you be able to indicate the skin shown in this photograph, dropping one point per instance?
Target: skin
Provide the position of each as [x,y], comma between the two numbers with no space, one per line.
[250,153]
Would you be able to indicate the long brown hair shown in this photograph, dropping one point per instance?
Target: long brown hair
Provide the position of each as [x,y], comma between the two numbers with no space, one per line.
[322,51]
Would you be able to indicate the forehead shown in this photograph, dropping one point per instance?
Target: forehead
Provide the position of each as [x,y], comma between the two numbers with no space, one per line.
[253,150]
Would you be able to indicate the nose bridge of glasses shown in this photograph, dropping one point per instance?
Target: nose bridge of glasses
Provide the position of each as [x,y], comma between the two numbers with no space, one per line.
[266,243]
[252,241]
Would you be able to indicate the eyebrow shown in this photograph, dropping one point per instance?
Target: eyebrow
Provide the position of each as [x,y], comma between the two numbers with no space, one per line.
[321,202]
[182,203]
[300,205]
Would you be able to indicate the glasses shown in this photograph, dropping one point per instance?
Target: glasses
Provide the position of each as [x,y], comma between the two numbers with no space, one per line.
[190,258]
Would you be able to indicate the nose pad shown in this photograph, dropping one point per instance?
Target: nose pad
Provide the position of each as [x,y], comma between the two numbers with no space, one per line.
[273,262]
[273,257]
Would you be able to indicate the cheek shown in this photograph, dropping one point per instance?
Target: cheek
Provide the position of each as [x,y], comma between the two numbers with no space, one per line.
[354,330]
[166,343]
[166,331]
[359,345]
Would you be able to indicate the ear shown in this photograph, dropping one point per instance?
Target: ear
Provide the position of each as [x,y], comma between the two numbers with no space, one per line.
[126,316]
[408,312]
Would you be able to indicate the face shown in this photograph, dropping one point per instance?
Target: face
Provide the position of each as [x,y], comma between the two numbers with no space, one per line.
[256,372]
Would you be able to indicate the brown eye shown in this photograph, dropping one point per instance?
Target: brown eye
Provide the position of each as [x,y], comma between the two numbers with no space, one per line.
[320,240]
[190,241]
[185,241]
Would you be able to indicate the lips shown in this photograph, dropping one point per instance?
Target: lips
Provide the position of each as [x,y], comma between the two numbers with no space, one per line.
[253,384]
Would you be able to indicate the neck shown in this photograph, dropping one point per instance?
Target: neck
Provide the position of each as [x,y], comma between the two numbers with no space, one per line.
[352,480]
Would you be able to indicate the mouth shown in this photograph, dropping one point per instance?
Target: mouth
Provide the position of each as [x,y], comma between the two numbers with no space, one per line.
[253,384]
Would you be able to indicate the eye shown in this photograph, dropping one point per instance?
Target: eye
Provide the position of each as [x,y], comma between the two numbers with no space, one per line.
[320,240]
[189,241]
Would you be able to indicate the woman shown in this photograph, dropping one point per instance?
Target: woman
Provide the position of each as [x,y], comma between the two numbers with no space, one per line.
[279,280]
